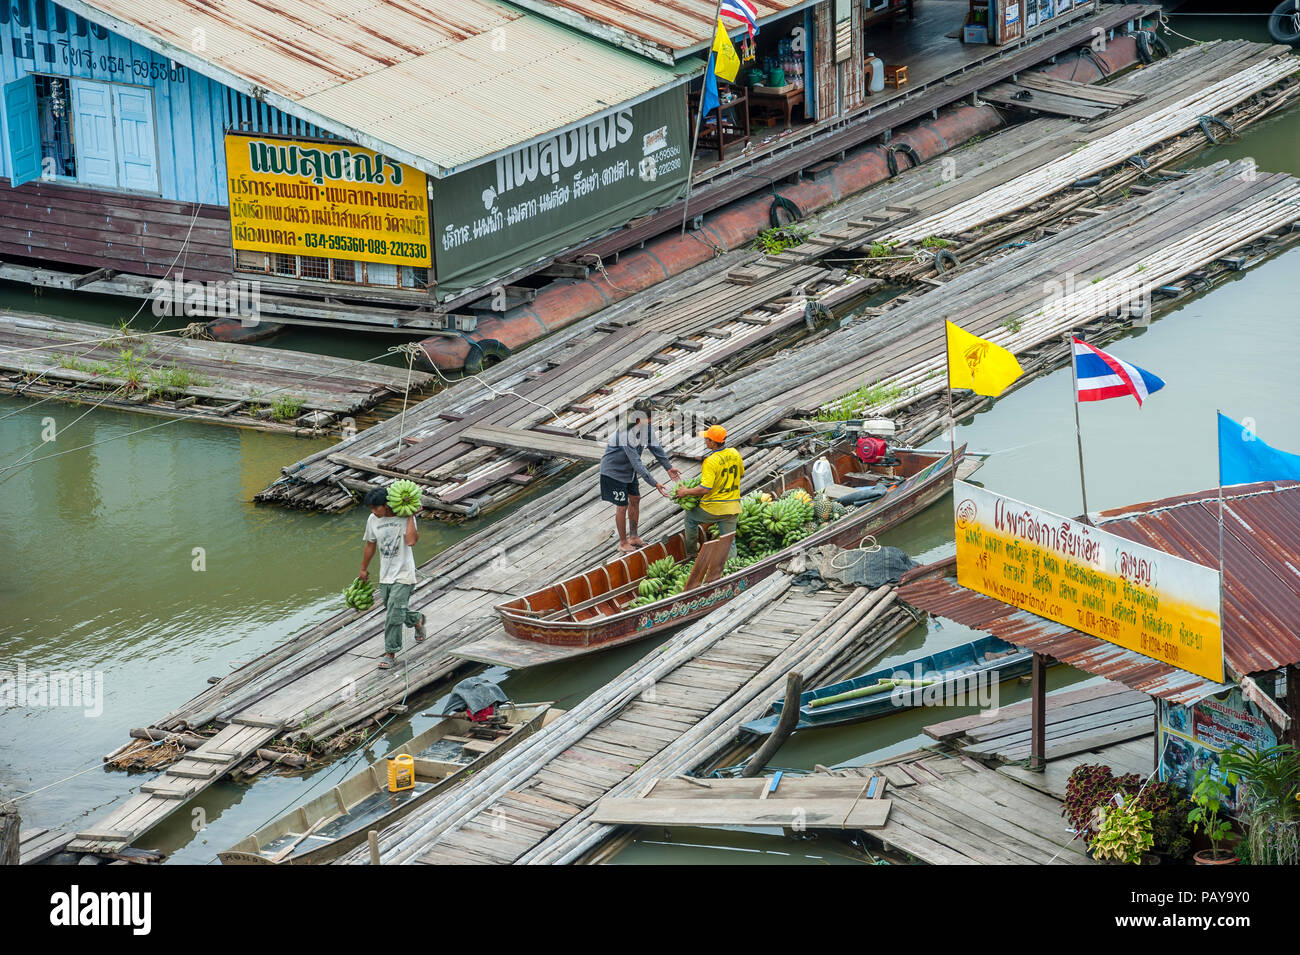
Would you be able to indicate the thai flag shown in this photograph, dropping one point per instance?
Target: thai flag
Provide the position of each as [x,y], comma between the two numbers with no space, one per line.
[1103,376]
[740,12]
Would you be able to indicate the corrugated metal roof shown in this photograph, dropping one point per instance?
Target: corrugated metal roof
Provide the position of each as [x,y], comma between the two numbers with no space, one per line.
[661,29]
[1261,588]
[1261,561]
[442,83]
[942,597]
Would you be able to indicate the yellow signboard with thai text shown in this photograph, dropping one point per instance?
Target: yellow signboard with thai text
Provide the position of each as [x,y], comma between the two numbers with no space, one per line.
[1099,583]
[324,199]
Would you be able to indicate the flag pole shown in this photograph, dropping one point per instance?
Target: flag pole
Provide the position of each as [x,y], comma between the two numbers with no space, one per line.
[952,423]
[1078,430]
[699,119]
[1218,443]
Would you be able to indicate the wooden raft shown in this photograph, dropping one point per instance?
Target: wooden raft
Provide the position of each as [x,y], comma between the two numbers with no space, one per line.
[193,378]
[948,810]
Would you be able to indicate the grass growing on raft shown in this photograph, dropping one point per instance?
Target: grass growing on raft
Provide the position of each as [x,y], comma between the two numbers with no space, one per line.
[855,402]
[779,238]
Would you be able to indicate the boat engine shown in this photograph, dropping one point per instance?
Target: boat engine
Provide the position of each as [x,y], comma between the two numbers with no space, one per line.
[875,451]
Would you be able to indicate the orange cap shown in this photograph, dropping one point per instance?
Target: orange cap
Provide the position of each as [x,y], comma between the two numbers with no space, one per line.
[715,432]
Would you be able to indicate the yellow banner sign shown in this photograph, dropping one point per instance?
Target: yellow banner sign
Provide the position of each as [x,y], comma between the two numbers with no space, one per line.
[1099,583]
[326,200]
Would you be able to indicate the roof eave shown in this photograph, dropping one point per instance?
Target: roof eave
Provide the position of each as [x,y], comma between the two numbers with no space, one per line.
[602,31]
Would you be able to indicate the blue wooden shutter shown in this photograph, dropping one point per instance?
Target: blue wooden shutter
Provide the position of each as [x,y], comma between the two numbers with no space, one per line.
[92,111]
[137,150]
[22,131]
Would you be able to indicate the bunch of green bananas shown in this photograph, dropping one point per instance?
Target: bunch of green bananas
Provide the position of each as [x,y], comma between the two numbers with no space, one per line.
[785,515]
[404,498]
[360,596]
[663,567]
[686,503]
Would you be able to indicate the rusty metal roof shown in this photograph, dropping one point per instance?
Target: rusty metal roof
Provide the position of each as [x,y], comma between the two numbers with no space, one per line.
[1261,588]
[942,597]
[438,84]
[663,30]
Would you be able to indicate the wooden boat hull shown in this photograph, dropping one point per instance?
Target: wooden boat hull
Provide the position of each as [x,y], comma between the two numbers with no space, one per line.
[916,493]
[365,792]
[948,668]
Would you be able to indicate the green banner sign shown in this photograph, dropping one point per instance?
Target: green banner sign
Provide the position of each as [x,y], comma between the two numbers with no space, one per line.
[547,195]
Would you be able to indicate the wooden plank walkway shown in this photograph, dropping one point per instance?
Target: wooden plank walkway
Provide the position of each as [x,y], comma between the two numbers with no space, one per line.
[950,810]
[658,718]
[192,378]
[1076,721]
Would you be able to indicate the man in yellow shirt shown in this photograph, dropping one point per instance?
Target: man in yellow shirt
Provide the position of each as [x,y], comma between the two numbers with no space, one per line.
[719,490]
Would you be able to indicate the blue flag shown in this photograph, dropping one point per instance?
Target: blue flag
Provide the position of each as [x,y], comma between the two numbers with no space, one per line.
[1244,458]
[710,96]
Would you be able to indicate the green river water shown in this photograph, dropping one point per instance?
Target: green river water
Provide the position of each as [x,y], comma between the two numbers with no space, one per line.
[100,535]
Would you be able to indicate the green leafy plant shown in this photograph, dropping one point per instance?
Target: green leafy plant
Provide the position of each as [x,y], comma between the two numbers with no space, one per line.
[1271,807]
[287,407]
[1013,323]
[779,238]
[1091,787]
[879,250]
[934,242]
[1208,796]
[1124,834]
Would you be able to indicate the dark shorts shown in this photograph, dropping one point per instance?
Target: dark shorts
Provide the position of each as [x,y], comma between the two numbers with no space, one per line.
[617,492]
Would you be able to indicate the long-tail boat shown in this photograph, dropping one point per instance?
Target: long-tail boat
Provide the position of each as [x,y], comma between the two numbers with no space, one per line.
[589,611]
[946,676]
[338,820]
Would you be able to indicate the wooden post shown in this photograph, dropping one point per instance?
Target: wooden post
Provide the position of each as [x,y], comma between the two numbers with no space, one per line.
[1038,717]
[9,826]
[1293,703]
[784,726]
[372,837]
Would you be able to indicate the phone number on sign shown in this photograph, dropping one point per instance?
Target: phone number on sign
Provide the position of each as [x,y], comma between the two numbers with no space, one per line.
[344,243]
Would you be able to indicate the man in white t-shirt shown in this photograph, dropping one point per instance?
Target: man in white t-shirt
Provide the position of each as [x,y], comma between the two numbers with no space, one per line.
[393,537]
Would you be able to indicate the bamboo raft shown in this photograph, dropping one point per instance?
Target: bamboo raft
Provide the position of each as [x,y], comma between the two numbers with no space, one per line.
[1113,262]
[475,446]
[197,379]
[655,720]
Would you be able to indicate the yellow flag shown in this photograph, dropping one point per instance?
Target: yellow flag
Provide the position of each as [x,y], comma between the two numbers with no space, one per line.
[726,63]
[979,365]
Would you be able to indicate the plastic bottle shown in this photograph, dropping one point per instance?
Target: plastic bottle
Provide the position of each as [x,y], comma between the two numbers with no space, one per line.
[822,475]
[877,67]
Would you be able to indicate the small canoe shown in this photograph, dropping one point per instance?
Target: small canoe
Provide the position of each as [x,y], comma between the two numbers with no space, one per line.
[590,611]
[933,677]
[336,822]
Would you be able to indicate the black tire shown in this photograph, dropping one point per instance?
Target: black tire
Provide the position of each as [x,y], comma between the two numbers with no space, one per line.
[942,256]
[1284,22]
[783,212]
[484,354]
[904,148]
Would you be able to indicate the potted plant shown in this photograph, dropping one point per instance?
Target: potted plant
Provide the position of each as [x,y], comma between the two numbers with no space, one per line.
[1124,835]
[1170,829]
[1271,807]
[1208,796]
[1092,786]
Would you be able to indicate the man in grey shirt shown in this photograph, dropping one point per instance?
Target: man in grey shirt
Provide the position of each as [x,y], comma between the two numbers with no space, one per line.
[622,464]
